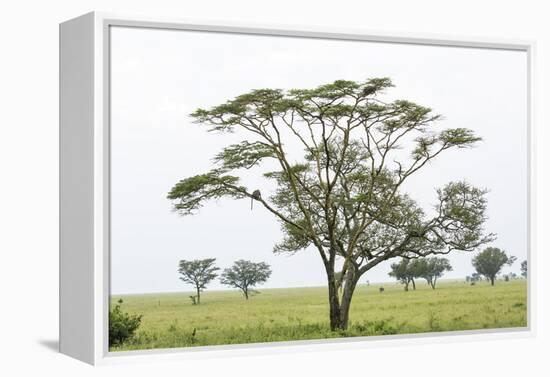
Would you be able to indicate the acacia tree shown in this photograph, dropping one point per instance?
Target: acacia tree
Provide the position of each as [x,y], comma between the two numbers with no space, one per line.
[490,262]
[405,271]
[199,273]
[432,269]
[245,275]
[343,195]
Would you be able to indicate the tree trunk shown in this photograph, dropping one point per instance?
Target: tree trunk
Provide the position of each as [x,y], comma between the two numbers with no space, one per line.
[198,295]
[340,306]
[347,295]
[433,283]
[334,303]
[245,293]
[492,280]
[414,284]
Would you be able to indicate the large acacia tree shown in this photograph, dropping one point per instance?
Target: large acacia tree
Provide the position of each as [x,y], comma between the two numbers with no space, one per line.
[343,195]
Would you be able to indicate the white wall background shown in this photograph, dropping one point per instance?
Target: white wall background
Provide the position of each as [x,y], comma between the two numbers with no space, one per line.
[29,189]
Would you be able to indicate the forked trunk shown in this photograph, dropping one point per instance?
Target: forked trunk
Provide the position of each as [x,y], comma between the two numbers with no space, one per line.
[339,309]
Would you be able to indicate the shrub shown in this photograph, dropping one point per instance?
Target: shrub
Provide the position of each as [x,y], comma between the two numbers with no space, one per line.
[122,326]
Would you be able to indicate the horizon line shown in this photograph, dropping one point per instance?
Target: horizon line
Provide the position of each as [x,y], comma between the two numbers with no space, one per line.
[272,288]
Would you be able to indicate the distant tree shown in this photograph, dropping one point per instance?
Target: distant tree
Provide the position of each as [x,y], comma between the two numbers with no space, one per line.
[399,272]
[405,271]
[468,279]
[199,273]
[524,269]
[415,270]
[476,277]
[245,275]
[490,262]
[122,325]
[432,269]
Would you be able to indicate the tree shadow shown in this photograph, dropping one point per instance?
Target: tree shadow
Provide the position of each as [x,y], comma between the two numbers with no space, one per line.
[52,345]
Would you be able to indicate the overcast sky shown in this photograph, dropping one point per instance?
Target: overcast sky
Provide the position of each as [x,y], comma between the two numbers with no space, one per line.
[159,77]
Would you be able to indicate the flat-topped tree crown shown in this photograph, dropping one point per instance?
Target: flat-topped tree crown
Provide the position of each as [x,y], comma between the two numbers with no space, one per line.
[343,194]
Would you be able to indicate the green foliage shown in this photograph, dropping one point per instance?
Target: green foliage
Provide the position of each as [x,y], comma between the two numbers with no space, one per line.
[490,262]
[524,268]
[300,313]
[245,275]
[122,326]
[243,155]
[459,137]
[199,273]
[432,269]
[405,271]
[346,176]
[202,187]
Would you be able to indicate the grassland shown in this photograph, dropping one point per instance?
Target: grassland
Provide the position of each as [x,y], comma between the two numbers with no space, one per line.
[224,317]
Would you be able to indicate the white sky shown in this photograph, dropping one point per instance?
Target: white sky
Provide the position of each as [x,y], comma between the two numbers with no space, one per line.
[160,76]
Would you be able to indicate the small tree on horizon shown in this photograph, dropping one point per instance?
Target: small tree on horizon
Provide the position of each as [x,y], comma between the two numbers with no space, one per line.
[490,262]
[405,271]
[245,275]
[432,269]
[199,273]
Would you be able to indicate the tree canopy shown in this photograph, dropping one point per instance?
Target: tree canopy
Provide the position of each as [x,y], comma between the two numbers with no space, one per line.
[343,194]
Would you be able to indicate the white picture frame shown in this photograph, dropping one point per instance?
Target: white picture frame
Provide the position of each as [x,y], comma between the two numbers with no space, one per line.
[85,186]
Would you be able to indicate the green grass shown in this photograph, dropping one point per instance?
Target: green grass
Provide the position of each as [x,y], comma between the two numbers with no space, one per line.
[224,317]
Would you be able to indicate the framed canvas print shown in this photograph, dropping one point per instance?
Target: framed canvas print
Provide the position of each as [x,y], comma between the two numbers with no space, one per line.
[226,187]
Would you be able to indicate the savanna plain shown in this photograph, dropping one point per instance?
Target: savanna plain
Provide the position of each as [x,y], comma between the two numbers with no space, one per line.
[225,317]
